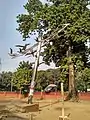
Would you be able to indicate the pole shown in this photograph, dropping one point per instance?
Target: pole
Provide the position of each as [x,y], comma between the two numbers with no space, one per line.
[70,65]
[62,92]
[31,92]
[63,117]
[11,84]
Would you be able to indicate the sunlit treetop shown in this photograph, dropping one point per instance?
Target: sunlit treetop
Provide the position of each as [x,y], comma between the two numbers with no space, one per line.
[57,13]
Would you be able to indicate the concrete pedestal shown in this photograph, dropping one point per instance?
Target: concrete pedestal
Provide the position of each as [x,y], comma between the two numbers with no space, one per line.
[27,107]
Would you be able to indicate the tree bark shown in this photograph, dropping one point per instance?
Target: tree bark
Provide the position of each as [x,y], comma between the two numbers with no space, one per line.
[31,92]
[73,94]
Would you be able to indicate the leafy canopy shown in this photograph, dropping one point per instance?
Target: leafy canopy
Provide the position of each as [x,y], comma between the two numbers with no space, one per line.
[23,74]
[57,13]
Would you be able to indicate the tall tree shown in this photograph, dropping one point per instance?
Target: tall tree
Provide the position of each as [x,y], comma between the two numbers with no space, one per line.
[23,74]
[5,81]
[41,80]
[83,79]
[71,39]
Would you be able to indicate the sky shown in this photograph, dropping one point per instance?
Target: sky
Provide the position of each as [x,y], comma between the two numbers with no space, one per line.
[9,36]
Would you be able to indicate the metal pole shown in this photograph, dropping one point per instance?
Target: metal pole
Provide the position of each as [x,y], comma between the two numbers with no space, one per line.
[34,72]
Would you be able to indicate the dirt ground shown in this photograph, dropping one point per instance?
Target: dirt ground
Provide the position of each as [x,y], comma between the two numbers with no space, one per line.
[48,110]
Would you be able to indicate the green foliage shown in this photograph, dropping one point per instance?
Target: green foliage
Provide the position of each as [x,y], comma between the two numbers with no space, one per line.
[28,22]
[60,12]
[83,79]
[5,80]
[24,65]
[41,80]
[75,35]
[50,76]
[23,74]
[86,75]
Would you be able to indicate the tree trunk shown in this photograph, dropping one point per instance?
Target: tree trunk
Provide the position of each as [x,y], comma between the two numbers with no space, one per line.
[73,94]
[31,92]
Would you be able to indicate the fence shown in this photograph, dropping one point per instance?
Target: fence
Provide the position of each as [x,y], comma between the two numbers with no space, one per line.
[52,95]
